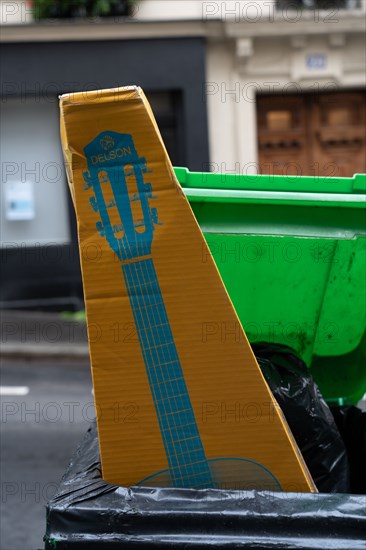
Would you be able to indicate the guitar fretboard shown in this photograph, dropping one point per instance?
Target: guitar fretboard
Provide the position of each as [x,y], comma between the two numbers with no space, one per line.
[183,446]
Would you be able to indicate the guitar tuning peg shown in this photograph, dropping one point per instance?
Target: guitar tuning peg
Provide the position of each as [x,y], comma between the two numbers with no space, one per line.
[129,172]
[154,216]
[94,204]
[100,229]
[88,181]
[142,164]
[144,168]
[148,190]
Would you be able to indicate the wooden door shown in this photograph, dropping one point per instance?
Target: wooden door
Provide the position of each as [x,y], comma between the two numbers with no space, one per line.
[339,133]
[308,134]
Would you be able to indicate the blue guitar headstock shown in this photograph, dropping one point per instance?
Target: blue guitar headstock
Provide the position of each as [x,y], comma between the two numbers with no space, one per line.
[115,178]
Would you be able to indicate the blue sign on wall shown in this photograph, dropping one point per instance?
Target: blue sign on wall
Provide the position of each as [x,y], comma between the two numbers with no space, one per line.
[19,200]
[316,61]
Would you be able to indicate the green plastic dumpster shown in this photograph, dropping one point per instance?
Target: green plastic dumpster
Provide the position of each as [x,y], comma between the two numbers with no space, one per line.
[292,253]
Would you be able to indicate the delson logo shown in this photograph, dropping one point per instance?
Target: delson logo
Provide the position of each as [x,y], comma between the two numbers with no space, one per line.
[107,142]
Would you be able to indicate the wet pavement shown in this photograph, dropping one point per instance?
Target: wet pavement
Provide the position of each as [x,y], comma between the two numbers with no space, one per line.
[46,407]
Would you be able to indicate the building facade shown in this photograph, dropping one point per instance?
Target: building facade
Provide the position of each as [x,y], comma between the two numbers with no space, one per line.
[268,86]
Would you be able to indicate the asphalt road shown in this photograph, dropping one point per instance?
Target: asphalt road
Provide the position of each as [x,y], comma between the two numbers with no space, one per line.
[40,429]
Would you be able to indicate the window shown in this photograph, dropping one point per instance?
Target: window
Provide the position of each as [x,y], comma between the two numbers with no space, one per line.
[168,111]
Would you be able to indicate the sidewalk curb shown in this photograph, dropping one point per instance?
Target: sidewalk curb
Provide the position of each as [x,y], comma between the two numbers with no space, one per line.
[17,350]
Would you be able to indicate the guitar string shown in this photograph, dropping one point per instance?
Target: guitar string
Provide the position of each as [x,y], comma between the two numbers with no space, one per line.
[158,308]
[150,309]
[162,405]
[165,427]
[155,311]
[126,268]
[140,325]
[165,348]
[136,243]
[183,406]
[129,271]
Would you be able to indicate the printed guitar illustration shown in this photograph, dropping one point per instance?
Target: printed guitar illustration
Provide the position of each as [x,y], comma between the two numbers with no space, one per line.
[127,222]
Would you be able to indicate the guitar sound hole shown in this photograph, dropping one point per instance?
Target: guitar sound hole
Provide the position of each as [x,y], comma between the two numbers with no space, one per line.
[227,473]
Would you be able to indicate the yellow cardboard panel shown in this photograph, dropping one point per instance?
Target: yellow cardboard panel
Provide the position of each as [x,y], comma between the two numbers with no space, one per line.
[173,407]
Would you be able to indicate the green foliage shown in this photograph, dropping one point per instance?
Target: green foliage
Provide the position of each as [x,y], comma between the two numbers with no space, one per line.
[47,9]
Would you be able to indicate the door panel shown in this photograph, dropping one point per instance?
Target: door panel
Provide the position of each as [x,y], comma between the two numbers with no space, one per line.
[282,134]
[309,134]
[339,128]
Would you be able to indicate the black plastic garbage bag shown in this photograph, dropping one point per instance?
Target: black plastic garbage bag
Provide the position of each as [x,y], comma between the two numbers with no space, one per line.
[308,416]
[88,513]
[351,423]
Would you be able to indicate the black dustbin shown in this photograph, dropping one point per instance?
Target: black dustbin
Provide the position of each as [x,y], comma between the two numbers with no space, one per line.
[88,513]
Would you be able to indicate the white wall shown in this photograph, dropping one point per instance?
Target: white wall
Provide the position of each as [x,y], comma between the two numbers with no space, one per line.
[354,60]
[203,9]
[231,113]
[228,10]
[30,151]
[168,9]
